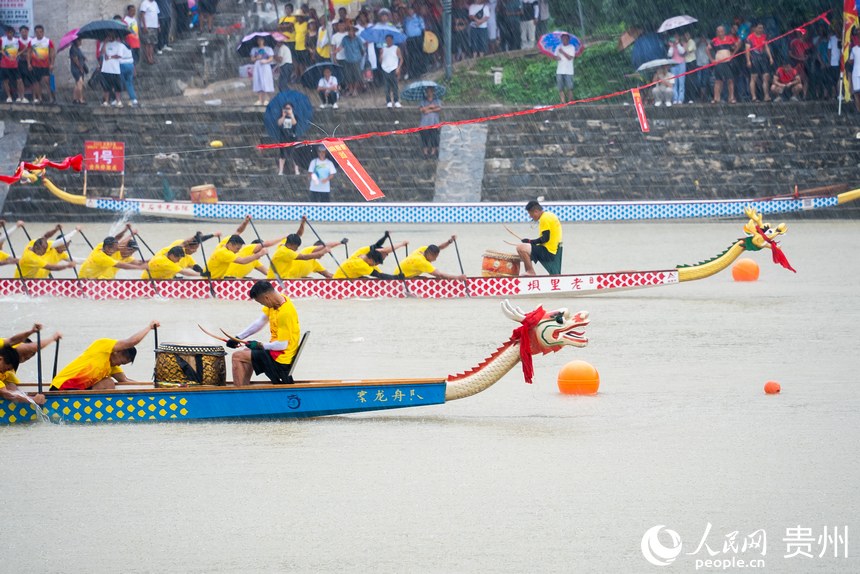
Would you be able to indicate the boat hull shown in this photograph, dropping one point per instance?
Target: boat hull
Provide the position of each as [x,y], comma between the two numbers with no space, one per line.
[226,403]
[460,212]
[237,289]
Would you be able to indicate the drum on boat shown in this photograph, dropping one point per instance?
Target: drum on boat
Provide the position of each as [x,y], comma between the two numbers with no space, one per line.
[189,365]
[497,264]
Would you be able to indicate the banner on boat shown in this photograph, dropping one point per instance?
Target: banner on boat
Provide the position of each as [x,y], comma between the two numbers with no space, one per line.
[104,156]
[353,170]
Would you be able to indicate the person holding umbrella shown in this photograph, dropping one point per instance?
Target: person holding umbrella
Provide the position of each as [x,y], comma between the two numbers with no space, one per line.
[262,56]
[111,75]
[565,53]
[287,123]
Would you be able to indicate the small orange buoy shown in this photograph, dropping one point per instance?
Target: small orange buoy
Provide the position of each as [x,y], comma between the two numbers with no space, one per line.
[745,270]
[578,378]
[772,388]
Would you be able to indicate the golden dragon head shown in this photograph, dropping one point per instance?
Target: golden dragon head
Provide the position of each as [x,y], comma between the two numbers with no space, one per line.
[762,234]
[548,331]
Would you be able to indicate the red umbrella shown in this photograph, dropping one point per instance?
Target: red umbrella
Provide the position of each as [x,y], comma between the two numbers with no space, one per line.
[67,39]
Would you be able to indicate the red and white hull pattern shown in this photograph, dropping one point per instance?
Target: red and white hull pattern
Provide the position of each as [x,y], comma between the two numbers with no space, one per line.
[237,289]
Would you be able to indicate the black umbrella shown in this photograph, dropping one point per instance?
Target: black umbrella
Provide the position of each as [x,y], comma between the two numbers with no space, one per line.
[100,29]
[302,109]
[249,42]
[311,77]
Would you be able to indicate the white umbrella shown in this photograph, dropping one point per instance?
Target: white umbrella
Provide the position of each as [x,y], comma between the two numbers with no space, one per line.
[655,64]
[676,22]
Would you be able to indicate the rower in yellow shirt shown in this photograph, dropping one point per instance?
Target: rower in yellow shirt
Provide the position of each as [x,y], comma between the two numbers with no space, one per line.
[100,365]
[546,249]
[9,361]
[36,264]
[287,255]
[168,266]
[366,265]
[25,347]
[5,258]
[275,357]
[228,253]
[421,261]
[302,268]
[102,263]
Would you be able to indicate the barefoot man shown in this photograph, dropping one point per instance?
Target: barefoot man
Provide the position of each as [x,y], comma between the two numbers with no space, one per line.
[100,365]
[275,357]
[547,248]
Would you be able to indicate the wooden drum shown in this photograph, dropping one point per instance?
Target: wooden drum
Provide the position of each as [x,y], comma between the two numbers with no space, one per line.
[203,194]
[496,264]
[189,365]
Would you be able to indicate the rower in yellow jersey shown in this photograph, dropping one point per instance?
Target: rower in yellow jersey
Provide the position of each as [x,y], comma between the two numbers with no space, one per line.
[168,266]
[421,261]
[102,263]
[546,249]
[35,263]
[5,258]
[9,361]
[366,265]
[302,268]
[287,255]
[228,253]
[275,357]
[25,347]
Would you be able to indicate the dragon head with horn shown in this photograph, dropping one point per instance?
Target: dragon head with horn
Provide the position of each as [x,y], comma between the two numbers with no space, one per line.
[762,236]
[540,332]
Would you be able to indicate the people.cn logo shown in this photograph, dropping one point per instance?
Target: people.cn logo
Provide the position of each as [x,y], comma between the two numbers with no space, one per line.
[654,550]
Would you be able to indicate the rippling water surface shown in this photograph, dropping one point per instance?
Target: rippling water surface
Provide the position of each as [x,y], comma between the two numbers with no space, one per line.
[516,479]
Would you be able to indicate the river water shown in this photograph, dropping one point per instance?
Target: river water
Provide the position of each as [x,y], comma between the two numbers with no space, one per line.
[516,479]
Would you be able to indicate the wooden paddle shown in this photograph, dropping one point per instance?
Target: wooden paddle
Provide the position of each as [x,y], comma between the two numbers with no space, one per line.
[397,261]
[343,241]
[39,360]
[269,257]
[199,237]
[18,265]
[460,261]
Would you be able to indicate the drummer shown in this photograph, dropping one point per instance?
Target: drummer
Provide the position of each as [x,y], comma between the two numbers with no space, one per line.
[9,361]
[421,261]
[169,265]
[546,249]
[287,255]
[103,263]
[275,357]
[100,365]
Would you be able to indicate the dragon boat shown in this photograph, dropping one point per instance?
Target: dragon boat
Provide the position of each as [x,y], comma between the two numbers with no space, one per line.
[758,235]
[496,212]
[540,332]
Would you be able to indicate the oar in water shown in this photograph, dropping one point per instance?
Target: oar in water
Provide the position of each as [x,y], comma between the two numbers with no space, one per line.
[17,265]
[460,261]
[271,265]
[39,360]
[199,237]
[69,253]
[397,261]
[343,241]
[148,273]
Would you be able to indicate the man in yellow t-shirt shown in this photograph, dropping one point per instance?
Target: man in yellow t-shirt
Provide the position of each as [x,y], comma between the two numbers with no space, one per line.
[287,256]
[35,263]
[5,258]
[546,249]
[169,265]
[9,382]
[102,263]
[25,347]
[366,265]
[421,261]
[220,260]
[302,268]
[274,358]
[100,365]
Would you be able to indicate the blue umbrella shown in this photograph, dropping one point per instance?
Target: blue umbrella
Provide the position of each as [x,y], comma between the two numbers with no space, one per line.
[414,92]
[376,34]
[549,42]
[302,109]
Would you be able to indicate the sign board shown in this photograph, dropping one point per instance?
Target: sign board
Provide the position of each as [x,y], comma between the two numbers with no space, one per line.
[104,156]
[353,170]
[17,13]
[640,111]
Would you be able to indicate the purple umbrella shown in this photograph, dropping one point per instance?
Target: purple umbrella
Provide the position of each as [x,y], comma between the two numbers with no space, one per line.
[549,42]
[67,39]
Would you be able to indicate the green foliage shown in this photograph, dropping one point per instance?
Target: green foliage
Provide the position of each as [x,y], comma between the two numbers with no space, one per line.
[530,80]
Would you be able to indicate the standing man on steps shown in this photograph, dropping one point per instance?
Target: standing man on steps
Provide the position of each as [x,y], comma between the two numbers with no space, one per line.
[149,29]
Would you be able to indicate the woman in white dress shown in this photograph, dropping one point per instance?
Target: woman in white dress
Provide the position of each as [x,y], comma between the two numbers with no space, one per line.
[262,56]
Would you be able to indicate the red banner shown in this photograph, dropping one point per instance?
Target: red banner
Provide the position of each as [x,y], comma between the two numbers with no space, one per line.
[104,156]
[640,111]
[353,170]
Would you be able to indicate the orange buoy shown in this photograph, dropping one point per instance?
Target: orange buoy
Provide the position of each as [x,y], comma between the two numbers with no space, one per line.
[745,270]
[578,378]
[772,388]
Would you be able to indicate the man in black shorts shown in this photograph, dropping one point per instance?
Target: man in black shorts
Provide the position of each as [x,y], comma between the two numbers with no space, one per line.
[546,249]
